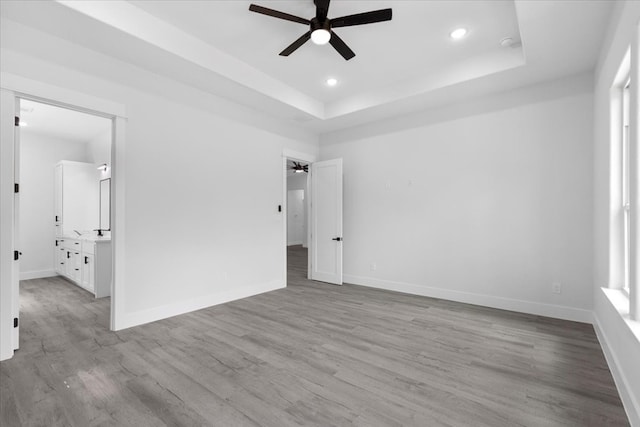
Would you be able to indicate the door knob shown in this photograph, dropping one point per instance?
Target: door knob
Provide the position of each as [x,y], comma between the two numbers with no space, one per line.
[337,239]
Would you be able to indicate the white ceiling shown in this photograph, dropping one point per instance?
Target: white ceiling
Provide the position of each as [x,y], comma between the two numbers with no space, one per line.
[415,41]
[60,123]
[406,64]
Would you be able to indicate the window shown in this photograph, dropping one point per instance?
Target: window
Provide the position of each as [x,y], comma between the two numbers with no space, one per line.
[626,205]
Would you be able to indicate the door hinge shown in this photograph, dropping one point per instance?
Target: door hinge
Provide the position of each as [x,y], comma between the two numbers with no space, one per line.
[15,322]
[16,121]
[16,255]
[16,187]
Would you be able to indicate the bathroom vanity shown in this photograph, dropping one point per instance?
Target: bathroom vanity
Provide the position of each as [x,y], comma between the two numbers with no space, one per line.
[85,261]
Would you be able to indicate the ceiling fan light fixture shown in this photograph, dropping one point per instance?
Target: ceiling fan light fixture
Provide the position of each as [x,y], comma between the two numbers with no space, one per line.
[320,36]
[458,33]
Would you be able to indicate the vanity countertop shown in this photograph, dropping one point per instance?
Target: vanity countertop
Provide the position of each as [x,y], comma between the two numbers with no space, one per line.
[87,237]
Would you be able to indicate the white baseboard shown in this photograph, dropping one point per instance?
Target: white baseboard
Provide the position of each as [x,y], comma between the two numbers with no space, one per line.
[630,403]
[28,275]
[294,243]
[158,313]
[536,308]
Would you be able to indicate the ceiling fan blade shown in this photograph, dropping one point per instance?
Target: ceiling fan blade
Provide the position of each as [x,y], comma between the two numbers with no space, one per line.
[322,8]
[296,44]
[341,46]
[362,18]
[278,14]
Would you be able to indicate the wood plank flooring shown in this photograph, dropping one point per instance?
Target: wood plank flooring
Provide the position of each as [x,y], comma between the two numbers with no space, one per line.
[312,354]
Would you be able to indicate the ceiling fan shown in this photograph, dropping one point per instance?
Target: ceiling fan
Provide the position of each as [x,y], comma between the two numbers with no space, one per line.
[321,26]
[298,167]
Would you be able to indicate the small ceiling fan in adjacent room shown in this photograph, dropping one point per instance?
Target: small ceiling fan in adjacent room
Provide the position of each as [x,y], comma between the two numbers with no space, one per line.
[321,27]
[298,167]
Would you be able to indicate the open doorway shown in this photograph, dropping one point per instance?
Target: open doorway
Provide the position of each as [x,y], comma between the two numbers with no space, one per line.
[317,255]
[62,214]
[297,216]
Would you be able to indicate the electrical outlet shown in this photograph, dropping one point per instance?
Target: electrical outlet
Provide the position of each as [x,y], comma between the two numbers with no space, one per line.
[374,266]
[556,287]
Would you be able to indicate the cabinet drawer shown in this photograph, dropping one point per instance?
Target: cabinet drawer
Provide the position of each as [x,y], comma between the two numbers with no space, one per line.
[71,244]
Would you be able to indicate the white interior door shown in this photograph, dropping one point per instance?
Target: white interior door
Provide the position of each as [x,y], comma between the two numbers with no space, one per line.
[15,274]
[326,221]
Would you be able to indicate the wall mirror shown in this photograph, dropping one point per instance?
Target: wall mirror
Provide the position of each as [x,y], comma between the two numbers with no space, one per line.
[105,204]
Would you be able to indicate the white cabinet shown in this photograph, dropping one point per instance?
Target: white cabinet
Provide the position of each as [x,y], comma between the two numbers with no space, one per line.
[86,262]
[60,257]
[89,272]
[76,197]
[57,199]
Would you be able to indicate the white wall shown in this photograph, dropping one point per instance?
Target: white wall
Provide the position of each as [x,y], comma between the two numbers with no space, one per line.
[99,152]
[39,155]
[490,205]
[299,182]
[620,337]
[192,237]
[295,217]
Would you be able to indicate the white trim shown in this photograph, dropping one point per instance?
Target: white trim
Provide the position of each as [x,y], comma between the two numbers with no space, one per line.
[298,155]
[528,307]
[7,113]
[28,275]
[630,403]
[297,243]
[199,303]
[118,282]
[63,97]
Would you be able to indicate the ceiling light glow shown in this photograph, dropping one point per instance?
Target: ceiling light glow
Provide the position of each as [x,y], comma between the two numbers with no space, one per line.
[332,82]
[458,33]
[23,124]
[320,36]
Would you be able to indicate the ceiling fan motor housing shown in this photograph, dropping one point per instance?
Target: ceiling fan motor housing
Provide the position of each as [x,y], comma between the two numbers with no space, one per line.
[320,25]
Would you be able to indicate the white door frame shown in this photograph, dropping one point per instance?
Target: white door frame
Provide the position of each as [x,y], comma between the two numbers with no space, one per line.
[306,158]
[12,87]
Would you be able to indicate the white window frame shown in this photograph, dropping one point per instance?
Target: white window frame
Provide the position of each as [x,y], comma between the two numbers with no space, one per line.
[625,180]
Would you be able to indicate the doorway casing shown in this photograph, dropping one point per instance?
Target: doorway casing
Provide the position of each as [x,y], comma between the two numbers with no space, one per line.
[13,87]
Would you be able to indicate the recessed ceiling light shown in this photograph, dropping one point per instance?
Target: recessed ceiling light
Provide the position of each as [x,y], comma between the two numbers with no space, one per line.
[332,82]
[458,33]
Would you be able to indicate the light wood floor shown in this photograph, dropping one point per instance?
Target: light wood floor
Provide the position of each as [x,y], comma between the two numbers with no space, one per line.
[312,354]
